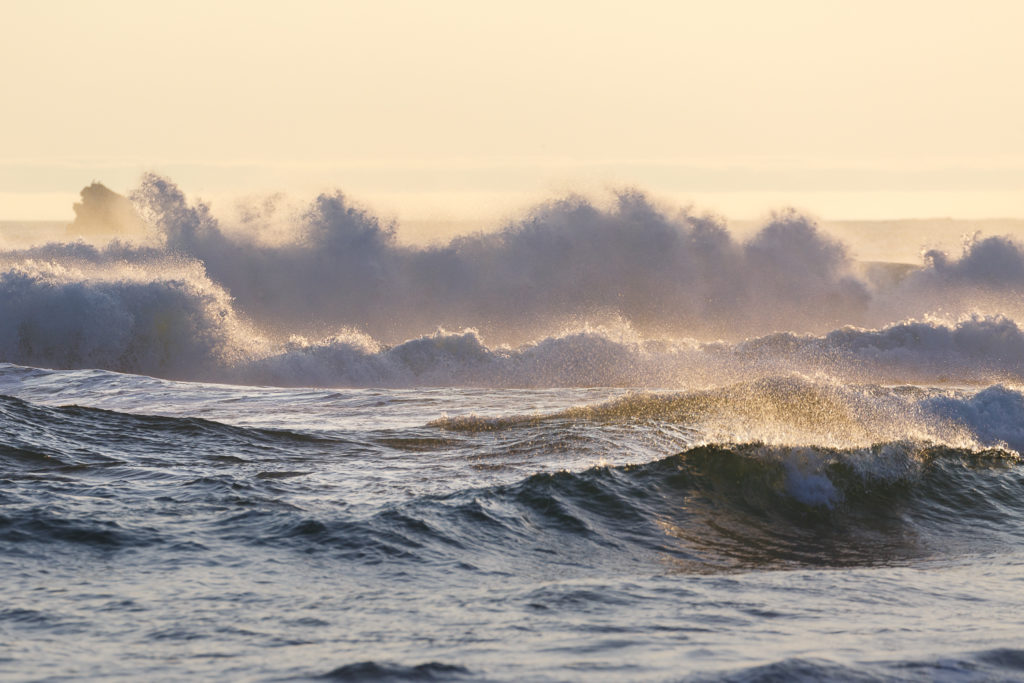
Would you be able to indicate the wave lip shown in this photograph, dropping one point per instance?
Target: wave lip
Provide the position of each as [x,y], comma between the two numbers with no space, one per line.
[794,410]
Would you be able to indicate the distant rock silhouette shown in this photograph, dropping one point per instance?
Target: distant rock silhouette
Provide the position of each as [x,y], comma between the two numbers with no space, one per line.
[104,212]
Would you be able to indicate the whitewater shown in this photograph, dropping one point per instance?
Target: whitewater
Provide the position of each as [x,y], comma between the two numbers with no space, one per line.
[609,441]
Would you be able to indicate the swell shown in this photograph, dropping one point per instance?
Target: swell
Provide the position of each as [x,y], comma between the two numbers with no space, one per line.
[111,481]
[75,437]
[387,671]
[710,508]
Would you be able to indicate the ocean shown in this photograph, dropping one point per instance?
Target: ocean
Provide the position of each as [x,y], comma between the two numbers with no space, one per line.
[605,443]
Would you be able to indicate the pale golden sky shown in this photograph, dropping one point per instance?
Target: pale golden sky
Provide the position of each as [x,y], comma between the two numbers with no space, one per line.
[467,109]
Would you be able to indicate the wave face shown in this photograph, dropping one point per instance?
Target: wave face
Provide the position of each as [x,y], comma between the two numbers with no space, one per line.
[769,474]
[571,294]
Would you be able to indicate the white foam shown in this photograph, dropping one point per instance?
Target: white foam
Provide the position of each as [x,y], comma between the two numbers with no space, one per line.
[570,295]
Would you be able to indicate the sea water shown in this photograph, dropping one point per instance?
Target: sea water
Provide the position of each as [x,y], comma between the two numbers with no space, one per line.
[685,457]
[161,530]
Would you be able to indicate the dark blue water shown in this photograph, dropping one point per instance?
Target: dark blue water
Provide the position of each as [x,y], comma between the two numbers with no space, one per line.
[160,530]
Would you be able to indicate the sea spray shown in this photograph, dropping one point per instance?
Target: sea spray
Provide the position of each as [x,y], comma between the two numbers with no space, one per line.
[572,294]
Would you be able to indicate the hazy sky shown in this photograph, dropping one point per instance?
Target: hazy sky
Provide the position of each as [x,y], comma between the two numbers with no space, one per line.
[468,109]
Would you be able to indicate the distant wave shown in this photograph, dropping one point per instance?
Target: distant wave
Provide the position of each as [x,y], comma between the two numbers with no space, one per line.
[565,260]
[665,272]
[570,295]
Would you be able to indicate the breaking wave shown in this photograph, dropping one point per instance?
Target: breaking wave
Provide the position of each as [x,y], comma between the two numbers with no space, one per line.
[175,330]
[566,259]
[572,294]
[795,411]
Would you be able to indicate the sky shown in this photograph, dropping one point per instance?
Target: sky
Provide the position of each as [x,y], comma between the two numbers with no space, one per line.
[467,111]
